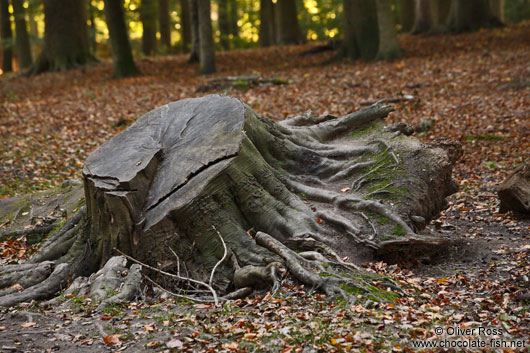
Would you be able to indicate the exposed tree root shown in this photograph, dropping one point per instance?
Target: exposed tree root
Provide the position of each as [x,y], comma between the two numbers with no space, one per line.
[40,230]
[239,293]
[258,277]
[329,285]
[24,277]
[42,290]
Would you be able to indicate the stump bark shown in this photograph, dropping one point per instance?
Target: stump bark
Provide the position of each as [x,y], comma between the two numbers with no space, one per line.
[207,179]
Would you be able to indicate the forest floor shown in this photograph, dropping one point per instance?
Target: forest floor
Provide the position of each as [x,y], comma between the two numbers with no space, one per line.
[474,88]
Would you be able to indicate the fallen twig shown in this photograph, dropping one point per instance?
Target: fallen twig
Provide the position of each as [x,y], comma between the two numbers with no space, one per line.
[398,99]
[222,259]
[214,294]
[179,295]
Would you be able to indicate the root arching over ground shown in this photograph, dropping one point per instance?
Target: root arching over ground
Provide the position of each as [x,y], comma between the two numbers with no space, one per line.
[206,195]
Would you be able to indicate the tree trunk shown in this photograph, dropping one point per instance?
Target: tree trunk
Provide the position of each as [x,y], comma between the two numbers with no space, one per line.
[234,17]
[350,47]
[148,18]
[206,46]
[6,36]
[92,29]
[195,51]
[470,15]
[224,24]
[361,32]
[440,13]
[388,45]
[497,9]
[185,23]
[164,25]
[208,186]
[33,27]
[406,15]
[119,39]
[287,27]
[22,39]
[66,39]
[266,27]
[423,22]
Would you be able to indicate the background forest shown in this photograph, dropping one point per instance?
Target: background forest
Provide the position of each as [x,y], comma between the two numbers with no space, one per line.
[76,73]
[157,27]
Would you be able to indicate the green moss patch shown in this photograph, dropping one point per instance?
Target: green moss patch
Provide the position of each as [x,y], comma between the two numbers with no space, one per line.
[398,230]
[484,137]
[369,129]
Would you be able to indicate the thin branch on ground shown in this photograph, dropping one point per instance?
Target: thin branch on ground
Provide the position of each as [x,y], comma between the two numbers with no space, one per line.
[222,259]
[178,260]
[194,299]
[214,294]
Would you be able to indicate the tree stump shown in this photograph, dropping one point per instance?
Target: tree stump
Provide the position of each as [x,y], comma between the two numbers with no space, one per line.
[207,179]
[514,192]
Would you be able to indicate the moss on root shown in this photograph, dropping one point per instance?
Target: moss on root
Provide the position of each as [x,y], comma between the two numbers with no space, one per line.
[368,129]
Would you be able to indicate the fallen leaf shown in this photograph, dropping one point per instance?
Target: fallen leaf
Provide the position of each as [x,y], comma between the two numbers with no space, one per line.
[154,344]
[203,306]
[112,340]
[233,346]
[174,343]
[28,324]
[18,287]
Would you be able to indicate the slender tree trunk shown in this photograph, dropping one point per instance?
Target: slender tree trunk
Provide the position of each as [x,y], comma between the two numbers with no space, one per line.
[185,24]
[368,31]
[497,9]
[423,21]
[119,39]
[206,46]
[194,12]
[233,18]
[350,47]
[33,27]
[361,32]
[470,15]
[287,27]
[22,39]
[406,15]
[164,25]
[266,27]
[224,24]
[443,11]
[388,45]
[6,36]
[435,14]
[92,30]
[34,33]
[66,43]
[148,19]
